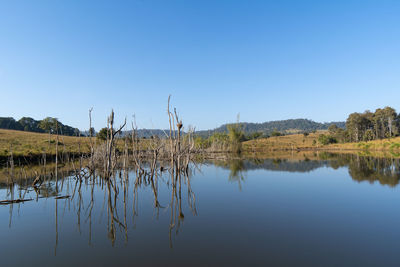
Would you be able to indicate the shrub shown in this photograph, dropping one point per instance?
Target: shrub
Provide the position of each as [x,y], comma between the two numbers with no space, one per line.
[326,139]
[102,134]
[276,133]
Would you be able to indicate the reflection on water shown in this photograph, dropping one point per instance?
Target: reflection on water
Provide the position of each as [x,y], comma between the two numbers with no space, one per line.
[386,171]
[78,192]
[196,217]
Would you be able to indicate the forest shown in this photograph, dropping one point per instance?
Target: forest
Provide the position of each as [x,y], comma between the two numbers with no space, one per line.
[366,126]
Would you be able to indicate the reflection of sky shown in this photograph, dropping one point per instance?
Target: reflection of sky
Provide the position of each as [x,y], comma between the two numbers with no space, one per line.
[276,217]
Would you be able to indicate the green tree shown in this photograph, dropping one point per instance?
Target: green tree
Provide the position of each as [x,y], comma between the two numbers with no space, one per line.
[333,129]
[9,123]
[30,125]
[276,133]
[236,136]
[353,124]
[342,135]
[49,124]
[102,134]
[368,135]
[326,139]
[389,119]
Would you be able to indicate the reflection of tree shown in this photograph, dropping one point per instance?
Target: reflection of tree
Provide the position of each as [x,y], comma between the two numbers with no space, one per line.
[48,190]
[177,178]
[277,164]
[384,170]
[75,191]
[367,168]
[237,169]
[361,168]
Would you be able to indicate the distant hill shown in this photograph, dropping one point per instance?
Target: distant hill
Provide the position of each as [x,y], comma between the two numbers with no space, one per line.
[283,126]
[147,133]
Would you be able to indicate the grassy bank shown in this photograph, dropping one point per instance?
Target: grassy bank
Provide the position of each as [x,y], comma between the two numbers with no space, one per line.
[287,142]
[310,142]
[31,145]
[28,147]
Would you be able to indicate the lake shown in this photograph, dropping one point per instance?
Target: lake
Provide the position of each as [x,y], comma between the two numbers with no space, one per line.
[319,210]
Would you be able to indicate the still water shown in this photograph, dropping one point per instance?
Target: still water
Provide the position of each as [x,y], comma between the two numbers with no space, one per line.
[331,211]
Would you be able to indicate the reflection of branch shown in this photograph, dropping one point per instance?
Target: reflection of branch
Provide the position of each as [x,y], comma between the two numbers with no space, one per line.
[56,213]
[191,197]
[80,181]
[120,223]
[13,201]
[172,223]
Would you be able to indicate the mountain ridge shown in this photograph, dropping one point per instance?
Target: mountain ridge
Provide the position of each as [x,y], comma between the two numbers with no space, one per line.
[284,126]
[288,126]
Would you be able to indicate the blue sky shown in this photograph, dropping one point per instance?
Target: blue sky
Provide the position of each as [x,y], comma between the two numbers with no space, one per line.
[267,60]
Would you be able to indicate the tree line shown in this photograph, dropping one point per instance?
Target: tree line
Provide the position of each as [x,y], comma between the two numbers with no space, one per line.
[366,126]
[49,124]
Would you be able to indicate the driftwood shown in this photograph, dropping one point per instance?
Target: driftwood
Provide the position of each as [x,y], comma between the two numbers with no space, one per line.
[7,202]
[62,197]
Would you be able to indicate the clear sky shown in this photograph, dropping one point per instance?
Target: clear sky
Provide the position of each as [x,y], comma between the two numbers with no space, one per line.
[267,60]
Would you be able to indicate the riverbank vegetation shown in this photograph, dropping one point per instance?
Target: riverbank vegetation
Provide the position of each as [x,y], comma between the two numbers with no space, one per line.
[375,131]
[366,126]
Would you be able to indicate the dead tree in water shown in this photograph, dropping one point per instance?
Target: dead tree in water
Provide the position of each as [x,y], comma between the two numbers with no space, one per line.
[110,144]
[179,125]
[56,168]
[91,140]
[150,158]
[171,139]
[135,146]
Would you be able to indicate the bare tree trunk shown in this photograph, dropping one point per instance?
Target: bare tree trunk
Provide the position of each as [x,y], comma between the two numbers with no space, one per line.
[56,170]
[91,140]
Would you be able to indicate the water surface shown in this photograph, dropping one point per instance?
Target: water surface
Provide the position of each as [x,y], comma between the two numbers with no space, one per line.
[334,211]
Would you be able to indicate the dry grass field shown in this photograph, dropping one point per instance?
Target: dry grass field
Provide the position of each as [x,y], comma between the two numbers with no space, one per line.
[22,143]
[287,142]
[388,144]
[310,142]
[29,144]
